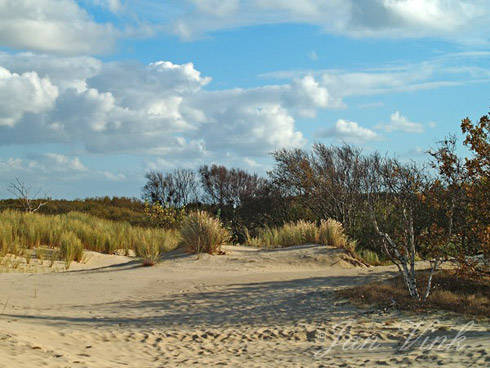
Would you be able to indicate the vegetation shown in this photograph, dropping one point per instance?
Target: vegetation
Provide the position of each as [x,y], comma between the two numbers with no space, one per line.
[396,211]
[74,232]
[452,293]
[375,207]
[202,233]
[129,210]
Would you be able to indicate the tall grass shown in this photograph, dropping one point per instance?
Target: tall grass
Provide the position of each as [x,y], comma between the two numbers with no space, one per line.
[293,233]
[329,232]
[202,233]
[76,231]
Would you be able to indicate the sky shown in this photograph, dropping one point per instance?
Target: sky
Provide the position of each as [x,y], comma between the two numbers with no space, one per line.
[95,93]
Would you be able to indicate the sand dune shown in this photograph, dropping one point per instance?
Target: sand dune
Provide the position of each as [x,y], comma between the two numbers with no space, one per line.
[248,308]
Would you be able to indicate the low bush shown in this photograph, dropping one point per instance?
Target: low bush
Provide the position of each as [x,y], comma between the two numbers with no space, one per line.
[202,233]
[450,292]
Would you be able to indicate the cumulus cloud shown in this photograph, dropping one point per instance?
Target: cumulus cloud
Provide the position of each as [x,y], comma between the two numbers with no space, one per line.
[398,122]
[462,20]
[349,131]
[161,108]
[24,93]
[58,26]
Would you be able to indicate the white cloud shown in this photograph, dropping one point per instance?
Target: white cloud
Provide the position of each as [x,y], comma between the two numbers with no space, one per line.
[58,26]
[59,162]
[24,93]
[349,131]
[158,109]
[447,70]
[398,122]
[460,20]
[312,55]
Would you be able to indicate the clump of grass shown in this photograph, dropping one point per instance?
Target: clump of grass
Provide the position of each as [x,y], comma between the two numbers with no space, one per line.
[293,233]
[370,257]
[331,232]
[70,248]
[451,293]
[151,250]
[202,233]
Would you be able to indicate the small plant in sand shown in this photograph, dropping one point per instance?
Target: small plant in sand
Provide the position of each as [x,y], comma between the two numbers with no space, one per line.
[70,248]
[202,233]
[149,251]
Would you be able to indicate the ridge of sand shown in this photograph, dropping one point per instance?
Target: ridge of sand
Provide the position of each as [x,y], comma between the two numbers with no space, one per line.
[247,308]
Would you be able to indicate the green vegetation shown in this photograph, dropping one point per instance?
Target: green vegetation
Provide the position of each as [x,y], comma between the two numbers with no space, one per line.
[202,233]
[329,232]
[129,210]
[74,232]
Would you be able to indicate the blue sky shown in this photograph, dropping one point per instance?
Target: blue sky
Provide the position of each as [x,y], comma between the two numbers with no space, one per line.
[93,93]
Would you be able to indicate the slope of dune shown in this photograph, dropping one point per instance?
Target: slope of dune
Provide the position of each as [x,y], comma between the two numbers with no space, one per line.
[248,308]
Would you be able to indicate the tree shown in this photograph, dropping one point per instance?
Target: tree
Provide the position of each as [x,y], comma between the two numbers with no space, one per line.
[228,187]
[463,195]
[394,193]
[175,189]
[24,193]
[326,180]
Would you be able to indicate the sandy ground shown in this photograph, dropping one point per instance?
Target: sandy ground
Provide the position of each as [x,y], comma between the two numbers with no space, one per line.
[248,308]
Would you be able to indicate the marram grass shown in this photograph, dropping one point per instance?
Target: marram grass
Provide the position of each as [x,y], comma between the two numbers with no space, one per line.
[74,232]
[202,233]
[328,232]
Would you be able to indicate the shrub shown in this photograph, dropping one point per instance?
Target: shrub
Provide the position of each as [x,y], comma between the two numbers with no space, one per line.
[452,293]
[202,233]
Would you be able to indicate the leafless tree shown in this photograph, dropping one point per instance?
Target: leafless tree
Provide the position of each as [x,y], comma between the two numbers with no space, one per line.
[28,198]
[327,179]
[223,186]
[177,188]
[394,194]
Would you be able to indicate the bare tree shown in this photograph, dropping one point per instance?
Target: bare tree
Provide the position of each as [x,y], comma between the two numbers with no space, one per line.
[327,180]
[224,186]
[177,188]
[27,197]
[394,197]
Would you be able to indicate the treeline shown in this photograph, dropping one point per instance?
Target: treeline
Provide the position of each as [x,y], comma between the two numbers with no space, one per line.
[400,210]
[131,210]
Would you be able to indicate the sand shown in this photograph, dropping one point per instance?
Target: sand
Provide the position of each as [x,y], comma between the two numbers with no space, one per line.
[248,308]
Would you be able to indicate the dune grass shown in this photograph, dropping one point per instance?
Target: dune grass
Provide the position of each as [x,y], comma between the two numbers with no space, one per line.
[451,293]
[202,233]
[328,232]
[74,232]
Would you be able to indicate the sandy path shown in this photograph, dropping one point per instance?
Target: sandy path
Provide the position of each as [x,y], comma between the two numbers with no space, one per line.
[247,308]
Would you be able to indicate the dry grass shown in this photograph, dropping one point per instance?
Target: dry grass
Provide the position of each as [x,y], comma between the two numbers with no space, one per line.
[290,234]
[202,233]
[150,250]
[466,296]
[329,232]
[74,232]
